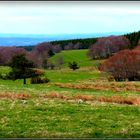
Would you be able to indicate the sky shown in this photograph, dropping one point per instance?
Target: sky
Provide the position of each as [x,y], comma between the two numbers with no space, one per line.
[69,17]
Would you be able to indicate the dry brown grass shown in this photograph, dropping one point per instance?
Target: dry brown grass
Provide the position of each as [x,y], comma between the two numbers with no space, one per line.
[55,95]
[120,100]
[131,100]
[103,86]
[21,96]
[84,97]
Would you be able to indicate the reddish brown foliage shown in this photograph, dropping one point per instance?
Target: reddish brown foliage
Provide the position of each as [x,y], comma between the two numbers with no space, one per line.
[6,54]
[42,51]
[137,48]
[39,54]
[72,46]
[124,65]
[106,46]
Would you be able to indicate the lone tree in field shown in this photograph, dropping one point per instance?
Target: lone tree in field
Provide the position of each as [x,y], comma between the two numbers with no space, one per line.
[22,68]
[73,65]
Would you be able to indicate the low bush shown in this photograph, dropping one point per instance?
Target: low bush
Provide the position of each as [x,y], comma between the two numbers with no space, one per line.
[39,80]
[73,65]
[5,77]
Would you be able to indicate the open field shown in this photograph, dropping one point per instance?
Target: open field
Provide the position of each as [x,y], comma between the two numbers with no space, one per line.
[73,104]
[80,56]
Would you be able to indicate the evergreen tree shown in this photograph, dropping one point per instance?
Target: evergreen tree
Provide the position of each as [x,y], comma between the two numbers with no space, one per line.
[73,65]
[51,53]
[21,68]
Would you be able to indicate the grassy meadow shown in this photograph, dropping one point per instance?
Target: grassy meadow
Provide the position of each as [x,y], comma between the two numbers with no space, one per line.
[80,56]
[74,104]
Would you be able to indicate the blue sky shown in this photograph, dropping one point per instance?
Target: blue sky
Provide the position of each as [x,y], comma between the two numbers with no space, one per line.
[71,17]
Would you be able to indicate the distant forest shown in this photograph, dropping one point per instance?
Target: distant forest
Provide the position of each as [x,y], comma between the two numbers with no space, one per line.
[134,39]
[64,44]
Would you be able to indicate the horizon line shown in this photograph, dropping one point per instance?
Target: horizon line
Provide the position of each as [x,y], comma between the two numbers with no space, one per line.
[66,33]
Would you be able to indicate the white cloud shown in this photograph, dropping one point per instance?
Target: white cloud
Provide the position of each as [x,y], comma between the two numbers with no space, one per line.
[69,17]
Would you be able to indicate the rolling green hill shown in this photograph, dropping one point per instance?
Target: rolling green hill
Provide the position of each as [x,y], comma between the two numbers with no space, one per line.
[72,102]
[80,56]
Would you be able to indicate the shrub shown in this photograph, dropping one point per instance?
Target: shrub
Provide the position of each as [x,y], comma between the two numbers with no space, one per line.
[73,65]
[5,76]
[39,80]
[45,80]
[124,65]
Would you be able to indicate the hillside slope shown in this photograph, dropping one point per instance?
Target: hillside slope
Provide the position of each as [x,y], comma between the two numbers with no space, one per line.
[80,56]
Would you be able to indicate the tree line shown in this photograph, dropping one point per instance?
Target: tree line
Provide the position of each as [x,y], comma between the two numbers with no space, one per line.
[107,46]
[123,61]
[133,37]
[40,55]
[67,44]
